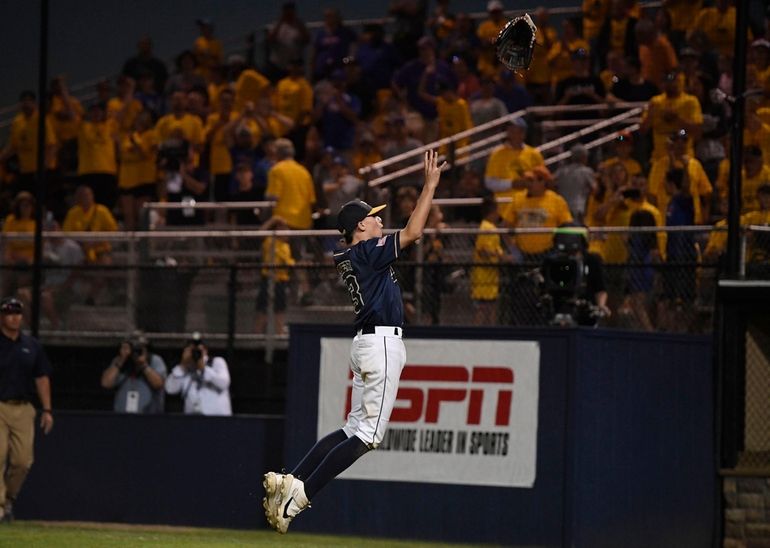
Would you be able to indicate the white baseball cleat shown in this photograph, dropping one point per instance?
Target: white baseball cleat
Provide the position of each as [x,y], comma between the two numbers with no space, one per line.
[272,483]
[292,501]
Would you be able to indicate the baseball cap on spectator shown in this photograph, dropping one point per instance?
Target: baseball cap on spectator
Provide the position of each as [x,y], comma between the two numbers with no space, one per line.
[426,42]
[671,76]
[580,53]
[752,150]
[688,52]
[11,305]
[338,75]
[634,62]
[353,213]
[244,165]
[518,122]
[760,43]
[340,161]
[23,196]
[244,131]
[445,85]
[679,135]
[330,150]
[624,137]
[204,22]
[236,59]
[494,5]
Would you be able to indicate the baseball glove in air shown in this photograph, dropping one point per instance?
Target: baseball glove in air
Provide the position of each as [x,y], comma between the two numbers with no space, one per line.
[516,43]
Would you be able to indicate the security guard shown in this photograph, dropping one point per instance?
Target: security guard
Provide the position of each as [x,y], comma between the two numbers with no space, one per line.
[24,371]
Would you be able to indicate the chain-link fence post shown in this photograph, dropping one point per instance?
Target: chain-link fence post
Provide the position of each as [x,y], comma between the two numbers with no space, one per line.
[744,235]
[131,283]
[270,331]
[232,290]
[418,280]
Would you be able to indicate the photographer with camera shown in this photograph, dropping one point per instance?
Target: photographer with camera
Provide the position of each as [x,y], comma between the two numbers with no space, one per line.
[202,380]
[573,290]
[137,375]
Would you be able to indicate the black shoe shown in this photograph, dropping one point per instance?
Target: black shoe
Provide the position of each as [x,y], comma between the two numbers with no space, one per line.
[8,513]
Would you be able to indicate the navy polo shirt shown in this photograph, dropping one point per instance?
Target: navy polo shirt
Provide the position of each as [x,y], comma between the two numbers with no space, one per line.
[21,362]
[365,269]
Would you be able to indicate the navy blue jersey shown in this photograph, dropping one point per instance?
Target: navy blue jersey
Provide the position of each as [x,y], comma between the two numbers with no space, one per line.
[21,362]
[365,269]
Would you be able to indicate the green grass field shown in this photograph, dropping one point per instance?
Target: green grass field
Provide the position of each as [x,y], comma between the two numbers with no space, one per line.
[28,534]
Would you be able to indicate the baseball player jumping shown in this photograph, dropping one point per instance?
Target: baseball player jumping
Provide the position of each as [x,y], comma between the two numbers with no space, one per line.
[377,354]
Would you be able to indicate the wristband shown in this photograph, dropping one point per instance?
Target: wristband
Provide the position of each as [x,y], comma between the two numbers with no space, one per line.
[47,411]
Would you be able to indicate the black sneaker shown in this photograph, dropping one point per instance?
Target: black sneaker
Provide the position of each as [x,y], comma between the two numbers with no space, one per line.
[8,513]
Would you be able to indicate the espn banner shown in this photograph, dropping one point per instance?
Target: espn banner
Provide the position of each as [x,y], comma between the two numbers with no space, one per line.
[466,412]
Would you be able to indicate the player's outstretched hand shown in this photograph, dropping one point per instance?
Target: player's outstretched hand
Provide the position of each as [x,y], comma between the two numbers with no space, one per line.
[432,169]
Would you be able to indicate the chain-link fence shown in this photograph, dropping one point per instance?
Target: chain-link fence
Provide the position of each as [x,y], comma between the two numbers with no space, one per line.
[756,439]
[245,287]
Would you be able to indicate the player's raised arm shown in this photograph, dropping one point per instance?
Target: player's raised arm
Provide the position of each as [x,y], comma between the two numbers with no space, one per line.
[416,223]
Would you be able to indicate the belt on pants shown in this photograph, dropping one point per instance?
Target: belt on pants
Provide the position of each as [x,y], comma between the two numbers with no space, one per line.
[384,330]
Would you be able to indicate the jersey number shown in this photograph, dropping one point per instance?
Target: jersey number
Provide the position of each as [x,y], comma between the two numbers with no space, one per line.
[355,292]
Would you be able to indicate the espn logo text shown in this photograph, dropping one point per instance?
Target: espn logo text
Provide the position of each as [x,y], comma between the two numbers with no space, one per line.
[420,401]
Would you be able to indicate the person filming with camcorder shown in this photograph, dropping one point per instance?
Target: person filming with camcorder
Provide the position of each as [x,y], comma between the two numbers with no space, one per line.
[203,381]
[137,375]
[572,288]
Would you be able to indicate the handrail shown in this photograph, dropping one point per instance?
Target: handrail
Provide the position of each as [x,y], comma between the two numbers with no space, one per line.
[486,126]
[556,124]
[590,129]
[181,234]
[551,159]
[209,205]
[440,142]
[614,105]
[589,145]
[466,159]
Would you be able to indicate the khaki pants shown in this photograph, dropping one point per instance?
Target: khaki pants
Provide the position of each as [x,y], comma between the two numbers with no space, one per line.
[17,436]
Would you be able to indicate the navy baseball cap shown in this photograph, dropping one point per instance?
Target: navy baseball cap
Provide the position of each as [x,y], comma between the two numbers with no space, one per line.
[679,135]
[353,213]
[11,305]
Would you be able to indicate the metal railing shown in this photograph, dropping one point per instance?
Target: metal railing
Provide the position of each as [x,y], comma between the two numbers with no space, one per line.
[481,148]
[170,283]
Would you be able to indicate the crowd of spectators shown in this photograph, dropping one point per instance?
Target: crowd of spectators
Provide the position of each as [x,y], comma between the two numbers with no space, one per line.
[326,103]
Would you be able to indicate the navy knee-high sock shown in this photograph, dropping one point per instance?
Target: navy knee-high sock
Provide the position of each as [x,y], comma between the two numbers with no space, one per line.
[338,460]
[317,454]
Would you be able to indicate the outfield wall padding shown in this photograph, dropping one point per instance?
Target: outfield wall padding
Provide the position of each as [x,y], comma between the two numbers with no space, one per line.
[624,449]
[624,456]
